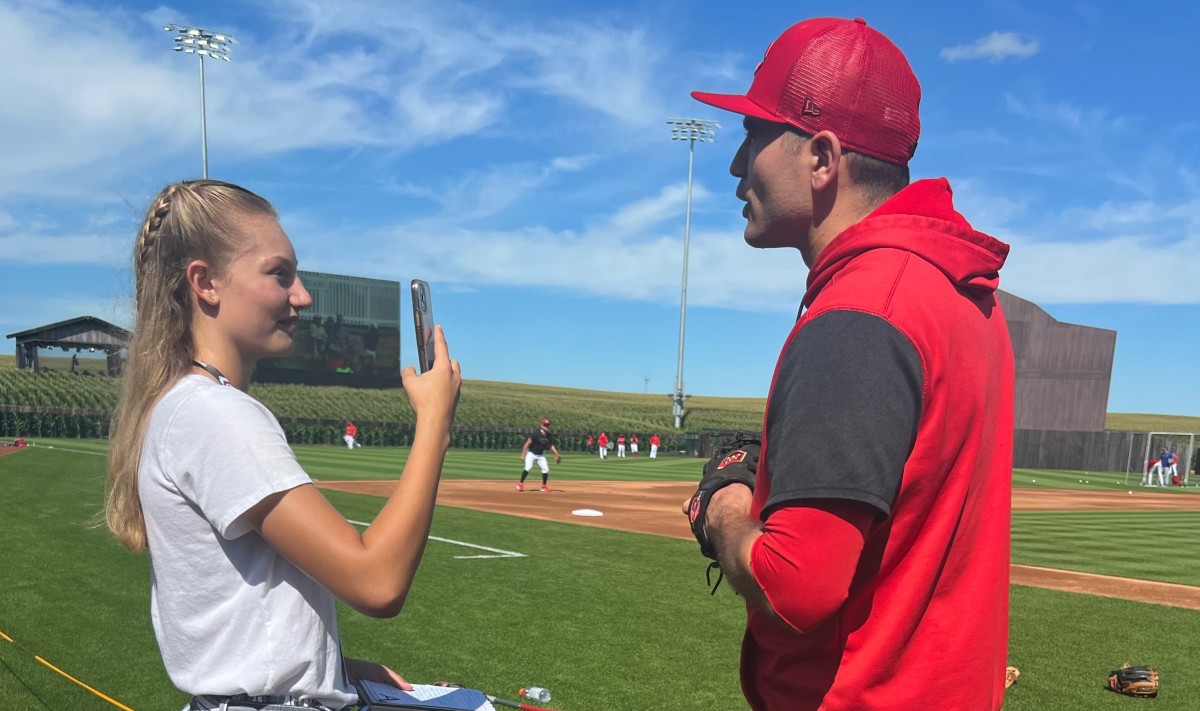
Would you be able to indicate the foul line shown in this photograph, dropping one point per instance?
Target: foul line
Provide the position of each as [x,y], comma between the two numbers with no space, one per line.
[21,647]
[500,553]
[64,449]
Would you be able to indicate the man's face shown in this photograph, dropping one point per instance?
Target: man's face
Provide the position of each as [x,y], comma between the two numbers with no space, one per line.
[774,185]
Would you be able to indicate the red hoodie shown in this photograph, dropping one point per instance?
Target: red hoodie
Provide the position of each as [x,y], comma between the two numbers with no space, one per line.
[931,588]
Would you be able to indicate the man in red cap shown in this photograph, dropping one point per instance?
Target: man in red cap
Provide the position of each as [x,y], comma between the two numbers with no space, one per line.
[875,540]
[534,450]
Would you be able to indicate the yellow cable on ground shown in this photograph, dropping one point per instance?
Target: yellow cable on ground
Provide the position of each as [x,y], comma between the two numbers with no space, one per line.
[114,702]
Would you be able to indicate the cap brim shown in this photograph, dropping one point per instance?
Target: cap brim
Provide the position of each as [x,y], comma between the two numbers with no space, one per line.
[737,103]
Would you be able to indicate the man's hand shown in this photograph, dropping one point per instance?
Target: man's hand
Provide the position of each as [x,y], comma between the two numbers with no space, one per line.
[735,462]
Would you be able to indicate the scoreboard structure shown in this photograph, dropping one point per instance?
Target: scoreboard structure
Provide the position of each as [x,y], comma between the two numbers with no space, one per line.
[349,336]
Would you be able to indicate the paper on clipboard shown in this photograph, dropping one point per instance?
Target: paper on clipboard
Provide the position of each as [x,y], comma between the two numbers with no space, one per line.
[423,697]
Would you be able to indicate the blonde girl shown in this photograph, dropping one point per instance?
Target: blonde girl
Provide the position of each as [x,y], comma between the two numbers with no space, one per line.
[246,555]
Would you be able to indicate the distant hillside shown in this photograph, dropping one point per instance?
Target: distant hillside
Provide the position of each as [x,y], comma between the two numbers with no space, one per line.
[1137,422]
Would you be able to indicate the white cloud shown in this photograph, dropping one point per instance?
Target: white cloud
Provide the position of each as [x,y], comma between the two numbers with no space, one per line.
[102,97]
[487,192]
[1117,269]
[995,47]
[1133,251]
[1069,116]
[634,253]
[571,164]
[603,67]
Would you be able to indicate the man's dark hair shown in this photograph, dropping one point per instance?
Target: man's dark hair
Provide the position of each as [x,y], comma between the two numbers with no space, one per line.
[879,178]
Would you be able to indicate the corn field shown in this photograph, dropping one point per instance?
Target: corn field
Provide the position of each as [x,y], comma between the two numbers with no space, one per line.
[491,415]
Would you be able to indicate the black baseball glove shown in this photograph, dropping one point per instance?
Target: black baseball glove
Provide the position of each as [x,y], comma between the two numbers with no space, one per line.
[734,462]
[1134,681]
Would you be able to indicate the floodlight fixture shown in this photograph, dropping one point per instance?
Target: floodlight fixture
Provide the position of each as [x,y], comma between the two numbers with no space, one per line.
[690,130]
[202,43]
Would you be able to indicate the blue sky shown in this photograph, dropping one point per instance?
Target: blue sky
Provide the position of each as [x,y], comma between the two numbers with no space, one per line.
[515,155]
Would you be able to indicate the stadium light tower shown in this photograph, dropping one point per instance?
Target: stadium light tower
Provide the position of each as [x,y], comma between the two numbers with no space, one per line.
[202,43]
[690,130]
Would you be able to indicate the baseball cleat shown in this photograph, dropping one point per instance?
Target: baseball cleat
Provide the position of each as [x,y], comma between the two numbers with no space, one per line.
[546,489]
[520,487]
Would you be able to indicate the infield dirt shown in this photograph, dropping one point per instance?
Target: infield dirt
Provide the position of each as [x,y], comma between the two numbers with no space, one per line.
[655,508]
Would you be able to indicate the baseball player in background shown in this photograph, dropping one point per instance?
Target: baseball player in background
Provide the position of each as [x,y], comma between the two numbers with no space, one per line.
[351,436]
[534,450]
[654,443]
[620,445]
[633,443]
[603,442]
[1161,467]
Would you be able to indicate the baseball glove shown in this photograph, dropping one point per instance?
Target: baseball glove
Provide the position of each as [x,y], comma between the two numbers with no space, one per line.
[735,462]
[1134,681]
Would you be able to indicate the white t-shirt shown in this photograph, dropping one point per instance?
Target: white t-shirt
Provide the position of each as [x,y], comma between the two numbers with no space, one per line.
[231,615]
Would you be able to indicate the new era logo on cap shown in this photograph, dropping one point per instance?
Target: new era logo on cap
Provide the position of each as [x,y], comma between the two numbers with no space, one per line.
[831,74]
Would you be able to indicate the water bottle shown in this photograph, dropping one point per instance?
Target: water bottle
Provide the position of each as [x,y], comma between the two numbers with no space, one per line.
[536,693]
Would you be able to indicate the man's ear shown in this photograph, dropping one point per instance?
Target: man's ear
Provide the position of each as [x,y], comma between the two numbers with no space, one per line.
[826,152]
[200,281]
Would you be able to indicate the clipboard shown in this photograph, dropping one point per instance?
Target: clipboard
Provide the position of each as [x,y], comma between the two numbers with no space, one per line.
[423,697]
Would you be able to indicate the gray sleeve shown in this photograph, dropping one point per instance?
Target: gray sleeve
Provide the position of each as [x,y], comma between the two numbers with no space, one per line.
[844,411]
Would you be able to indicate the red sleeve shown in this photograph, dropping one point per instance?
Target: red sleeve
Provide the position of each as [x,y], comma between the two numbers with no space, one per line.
[806,558]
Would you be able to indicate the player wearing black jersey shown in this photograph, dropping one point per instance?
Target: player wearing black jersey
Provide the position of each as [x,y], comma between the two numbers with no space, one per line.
[534,450]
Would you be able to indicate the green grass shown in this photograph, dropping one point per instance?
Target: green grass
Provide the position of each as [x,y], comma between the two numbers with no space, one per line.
[1148,545]
[340,464]
[570,616]
[1065,645]
[1093,481]
[607,620]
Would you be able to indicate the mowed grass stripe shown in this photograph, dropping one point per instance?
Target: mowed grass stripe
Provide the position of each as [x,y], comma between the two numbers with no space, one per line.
[1092,481]
[1148,545]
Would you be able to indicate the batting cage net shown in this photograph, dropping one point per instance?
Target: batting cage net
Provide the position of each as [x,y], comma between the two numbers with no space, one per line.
[1153,469]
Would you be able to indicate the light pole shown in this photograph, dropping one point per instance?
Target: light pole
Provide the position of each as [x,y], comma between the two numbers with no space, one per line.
[690,130]
[202,43]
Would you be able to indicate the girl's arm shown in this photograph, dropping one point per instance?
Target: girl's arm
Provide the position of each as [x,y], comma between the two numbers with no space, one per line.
[372,571]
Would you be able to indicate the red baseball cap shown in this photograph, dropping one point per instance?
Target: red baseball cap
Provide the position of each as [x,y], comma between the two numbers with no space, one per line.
[832,74]
[545,423]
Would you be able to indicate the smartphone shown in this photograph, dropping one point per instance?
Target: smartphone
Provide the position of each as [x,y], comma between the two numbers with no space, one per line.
[422,307]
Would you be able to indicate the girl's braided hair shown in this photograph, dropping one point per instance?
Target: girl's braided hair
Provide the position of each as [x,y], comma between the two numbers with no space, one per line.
[201,219]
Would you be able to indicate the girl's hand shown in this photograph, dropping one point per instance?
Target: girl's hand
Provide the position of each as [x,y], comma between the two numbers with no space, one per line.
[434,395]
[359,670]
